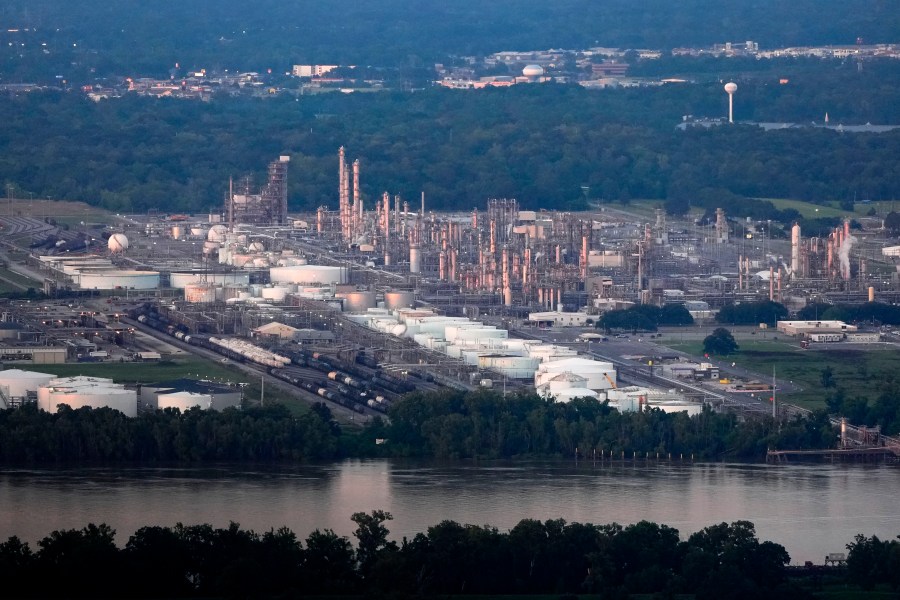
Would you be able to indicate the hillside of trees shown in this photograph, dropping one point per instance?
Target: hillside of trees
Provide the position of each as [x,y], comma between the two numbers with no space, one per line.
[538,143]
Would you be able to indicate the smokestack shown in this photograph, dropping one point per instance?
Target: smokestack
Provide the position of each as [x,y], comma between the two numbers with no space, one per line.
[795,251]
[771,283]
[493,240]
[357,201]
[584,257]
[423,205]
[871,293]
[507,290]
[830,260]
[320,220]
[230,205]
[740,272]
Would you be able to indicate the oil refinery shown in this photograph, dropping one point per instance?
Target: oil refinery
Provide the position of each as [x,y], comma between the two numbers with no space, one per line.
[487,297]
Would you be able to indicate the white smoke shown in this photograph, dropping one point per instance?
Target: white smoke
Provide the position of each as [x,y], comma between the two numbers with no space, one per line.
[844,256]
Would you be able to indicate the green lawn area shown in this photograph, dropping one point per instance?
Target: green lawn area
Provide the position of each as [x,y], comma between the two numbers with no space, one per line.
[12,276]
[808,209]
[191,367]
[856,369]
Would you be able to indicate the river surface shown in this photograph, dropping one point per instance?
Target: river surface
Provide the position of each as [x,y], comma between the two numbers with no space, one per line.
[812,510]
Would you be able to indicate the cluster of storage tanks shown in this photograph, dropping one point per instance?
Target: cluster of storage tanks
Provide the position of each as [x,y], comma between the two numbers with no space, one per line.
[475,343]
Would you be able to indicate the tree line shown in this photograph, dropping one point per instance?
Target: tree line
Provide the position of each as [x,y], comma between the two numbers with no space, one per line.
[484,424]
[30,435]
[92,38]
[534,557]
[445,424]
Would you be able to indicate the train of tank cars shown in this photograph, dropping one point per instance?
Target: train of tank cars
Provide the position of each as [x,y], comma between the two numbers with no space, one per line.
[355,388]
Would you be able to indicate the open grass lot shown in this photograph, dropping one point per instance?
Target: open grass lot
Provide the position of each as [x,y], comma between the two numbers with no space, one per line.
[857,368]
[190,367]
[11,278]
[63,211]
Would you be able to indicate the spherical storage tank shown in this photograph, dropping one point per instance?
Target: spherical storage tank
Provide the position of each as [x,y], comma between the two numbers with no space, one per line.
[395,300]
[117,242]
[308,274]
[217,233]
[533,71]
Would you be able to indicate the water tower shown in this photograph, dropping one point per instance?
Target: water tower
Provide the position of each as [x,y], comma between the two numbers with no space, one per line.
[730,89]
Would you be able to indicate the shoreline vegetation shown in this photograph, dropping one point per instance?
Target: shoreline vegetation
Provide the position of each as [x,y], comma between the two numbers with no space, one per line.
[437,425]
[535,559]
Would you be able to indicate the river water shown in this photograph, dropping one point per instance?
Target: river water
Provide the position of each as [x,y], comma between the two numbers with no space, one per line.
[812,510]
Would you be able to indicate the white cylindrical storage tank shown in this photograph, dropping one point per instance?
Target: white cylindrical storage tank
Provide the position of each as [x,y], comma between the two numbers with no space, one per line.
[395,300]
[357,302]
[179,280]
[198,232]
[198,293]
[515,367]
[275,294]
[569,394]
[307,274]
[177,232]
[79,392]
[111,280]
[17,383]
[184,401]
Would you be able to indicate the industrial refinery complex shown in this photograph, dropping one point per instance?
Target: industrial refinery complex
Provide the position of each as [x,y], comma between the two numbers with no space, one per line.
[361,302]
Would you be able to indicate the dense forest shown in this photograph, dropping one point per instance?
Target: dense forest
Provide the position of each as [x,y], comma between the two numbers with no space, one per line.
[95,37]
[546,145]
[721,562]
[433,425]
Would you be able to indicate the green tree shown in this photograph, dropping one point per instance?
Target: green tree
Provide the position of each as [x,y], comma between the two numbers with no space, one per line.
[371,536]
[720,342]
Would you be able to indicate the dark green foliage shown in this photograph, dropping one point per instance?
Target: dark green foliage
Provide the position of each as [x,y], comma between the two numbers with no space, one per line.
[645,317]
[720,342]
[486,424]
[270,433]
[872,561]
[533,558]
[752,313]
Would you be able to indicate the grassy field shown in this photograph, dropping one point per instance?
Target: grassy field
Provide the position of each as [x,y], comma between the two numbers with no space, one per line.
[190,367]
[9,278]
[856,369]
[63,211]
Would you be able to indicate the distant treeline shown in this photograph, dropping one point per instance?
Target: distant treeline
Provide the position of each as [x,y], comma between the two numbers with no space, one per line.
[547,145]
[131,37]
[534,557]
[481,424]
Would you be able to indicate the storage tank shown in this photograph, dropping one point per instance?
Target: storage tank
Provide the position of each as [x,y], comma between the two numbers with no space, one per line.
[94,392]
[199,293]
[198,232]
[357,302]
[217,233]
[117,243]
[275,294]
[16,383]
[308,274]
[395,300]
[114,279]
[177,232]
[514,367]
[183,401]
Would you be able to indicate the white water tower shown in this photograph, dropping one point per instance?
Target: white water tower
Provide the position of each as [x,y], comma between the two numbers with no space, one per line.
[730,89]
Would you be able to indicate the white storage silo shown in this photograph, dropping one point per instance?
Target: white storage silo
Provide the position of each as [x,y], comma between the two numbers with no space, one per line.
[395,300]
[16,383]
[93,392]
